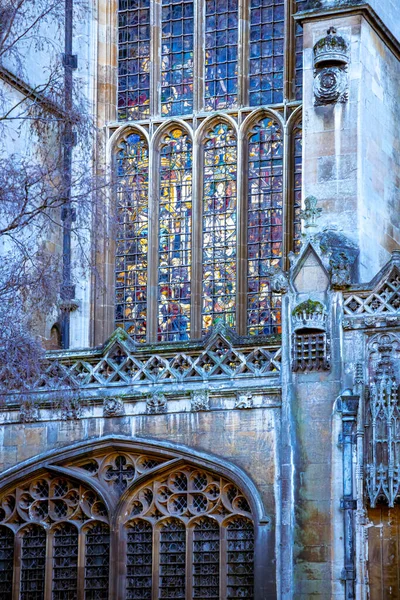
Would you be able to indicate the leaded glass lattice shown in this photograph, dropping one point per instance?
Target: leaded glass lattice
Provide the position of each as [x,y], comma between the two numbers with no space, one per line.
[267,23]
[139,560]
[65,563]
[297,183]
[6,562]
[172,579]
[132,236]
[240,560]
[298,77]
[175,228]
[134,59]
[33,563]
[264,225]
[219,227]
[177,57]
[221,54]
[97,560]
[206,547]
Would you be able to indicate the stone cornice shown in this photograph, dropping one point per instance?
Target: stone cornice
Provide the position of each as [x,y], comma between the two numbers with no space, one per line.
[354,9]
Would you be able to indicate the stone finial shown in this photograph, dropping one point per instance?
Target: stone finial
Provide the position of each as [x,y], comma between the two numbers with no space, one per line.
[200,400]
[310,213]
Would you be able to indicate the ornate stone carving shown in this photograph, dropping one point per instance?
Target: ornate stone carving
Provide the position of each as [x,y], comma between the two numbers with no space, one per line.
[309,315]
[244,400]
[382,441]
[279,280]
[156,404]
[330,86]
[71,408]
[29,412]
[199,400]
[113,407]
[340,271]
[310,213]
[331,57]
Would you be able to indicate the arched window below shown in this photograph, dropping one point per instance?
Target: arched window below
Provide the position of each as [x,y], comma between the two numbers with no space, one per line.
[6,562]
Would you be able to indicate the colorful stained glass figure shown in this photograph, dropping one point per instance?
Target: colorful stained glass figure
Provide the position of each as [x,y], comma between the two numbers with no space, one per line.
[298,75]
[221,52]
[297,174]
[219,227]
[175,225]
[267,22]
[134,59]
[132,236]
[264,226]
[177,57]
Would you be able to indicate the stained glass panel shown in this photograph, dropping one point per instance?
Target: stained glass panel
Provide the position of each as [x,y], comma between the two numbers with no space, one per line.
[298,77]
[134,59]
[6,562]
[265,225]
[240,559]
[65,563]
[175,236]
[33,563]
[221,70]
[219,227]
[297,160]
[139,561]
[172,582]
[206,544]
[97,559]
[267,22]
[177,57]
[132,236]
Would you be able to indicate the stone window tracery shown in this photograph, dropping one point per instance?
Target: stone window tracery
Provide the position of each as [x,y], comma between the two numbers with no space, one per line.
[184,532]
[210,231]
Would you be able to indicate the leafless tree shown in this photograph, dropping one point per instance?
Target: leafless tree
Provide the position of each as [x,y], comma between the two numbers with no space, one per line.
[33,188]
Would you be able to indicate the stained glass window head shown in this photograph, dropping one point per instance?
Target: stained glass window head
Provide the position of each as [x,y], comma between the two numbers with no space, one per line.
[219,226]
[175,231]
[132,235]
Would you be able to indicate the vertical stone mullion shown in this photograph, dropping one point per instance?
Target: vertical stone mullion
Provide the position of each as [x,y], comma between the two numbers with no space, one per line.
[289,51]
[287,212]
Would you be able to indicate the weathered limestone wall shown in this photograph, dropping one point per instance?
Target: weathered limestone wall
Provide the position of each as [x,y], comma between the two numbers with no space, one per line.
[379,153]
[351,150]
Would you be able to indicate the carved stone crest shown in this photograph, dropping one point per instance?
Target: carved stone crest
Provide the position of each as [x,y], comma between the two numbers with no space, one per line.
[340,271]
[70,409]
[330,86]
[244,400]
[199,400]
[156,404]
[29,412]
[113,407]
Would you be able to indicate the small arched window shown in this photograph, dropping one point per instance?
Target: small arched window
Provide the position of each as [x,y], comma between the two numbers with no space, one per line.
[33,563]
[65,562]
[132,226]
[219,226]
[175,232]
[264,225]
[6,562]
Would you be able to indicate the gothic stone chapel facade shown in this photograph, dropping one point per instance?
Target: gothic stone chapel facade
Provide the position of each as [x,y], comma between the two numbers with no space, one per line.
[234,431]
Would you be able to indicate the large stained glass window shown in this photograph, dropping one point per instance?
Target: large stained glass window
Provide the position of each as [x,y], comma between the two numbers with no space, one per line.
[221,54]
[297,174]
[219,227]
[267,21]
[134,59]
[6,562]
[264,225]
[33,563]
[177,57]
[65,563]
[175,226]
[298,52]
[132,236]
[240,564]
